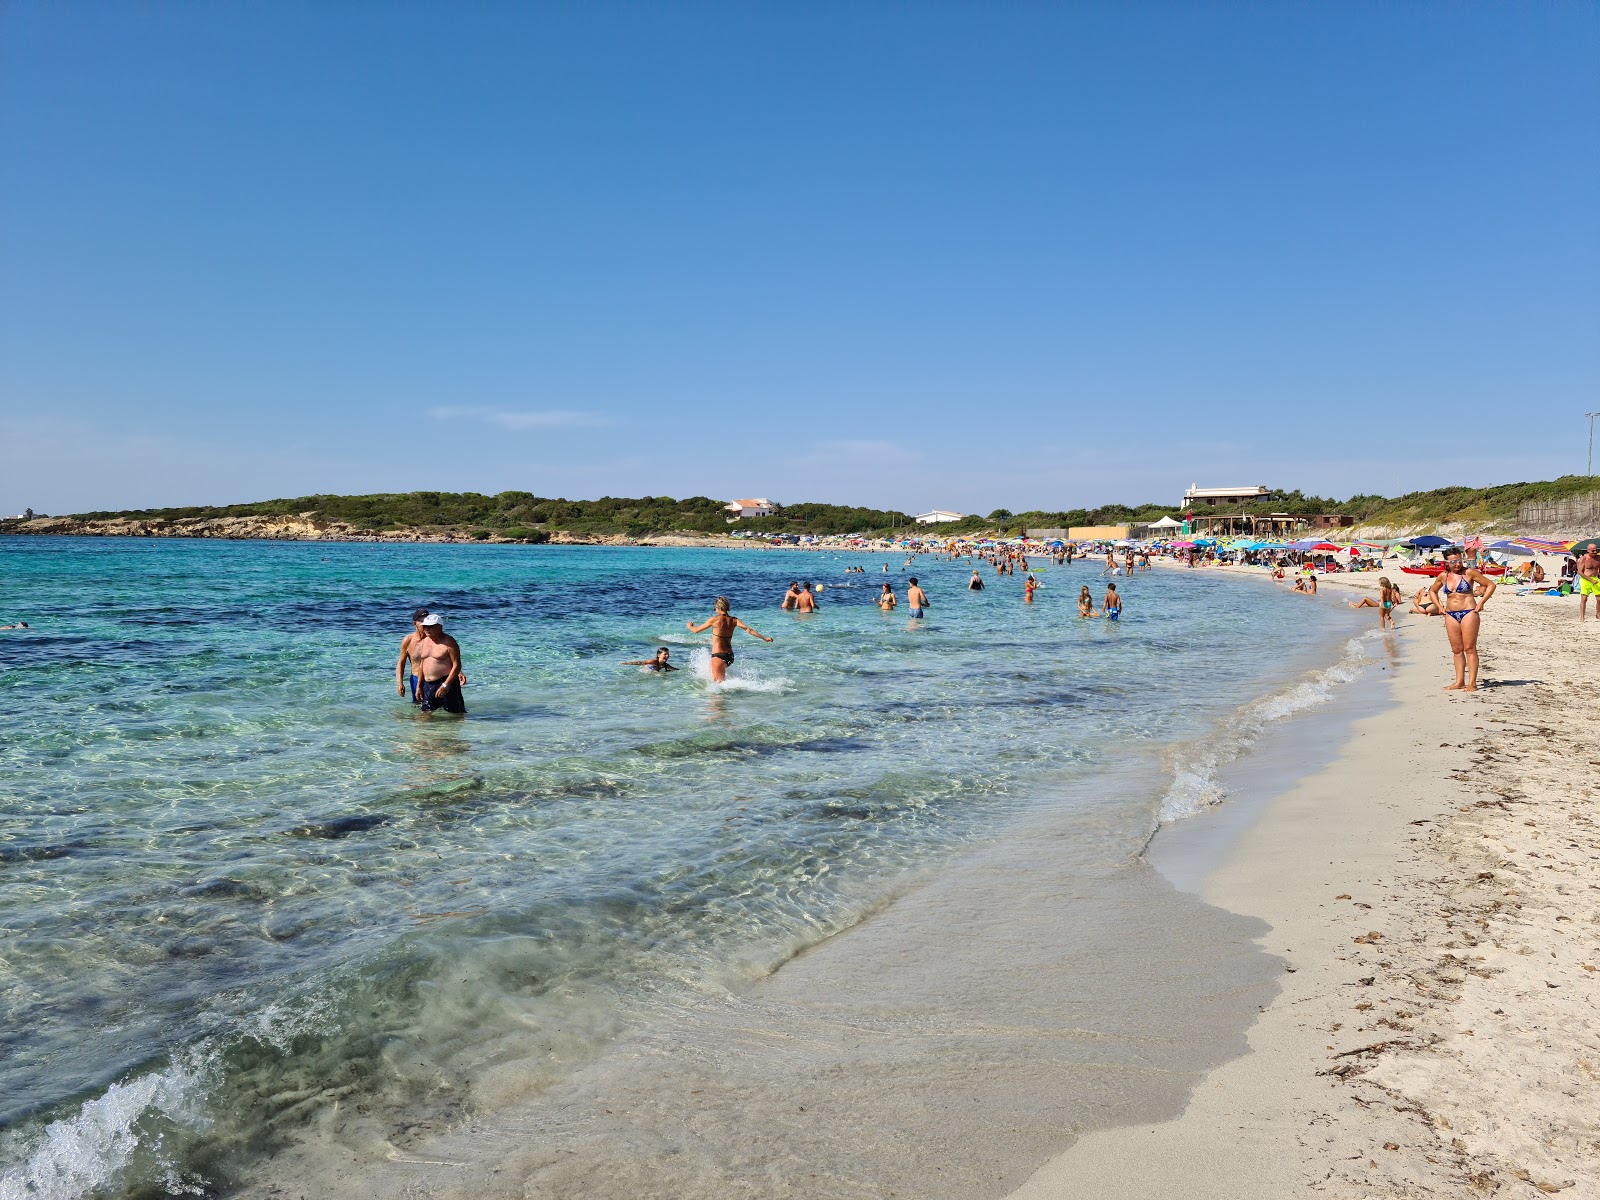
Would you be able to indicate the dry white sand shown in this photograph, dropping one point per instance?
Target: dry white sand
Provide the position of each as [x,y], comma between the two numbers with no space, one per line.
[1435,896]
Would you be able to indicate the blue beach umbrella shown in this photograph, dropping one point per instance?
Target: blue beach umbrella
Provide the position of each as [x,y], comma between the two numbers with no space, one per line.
[1428,541]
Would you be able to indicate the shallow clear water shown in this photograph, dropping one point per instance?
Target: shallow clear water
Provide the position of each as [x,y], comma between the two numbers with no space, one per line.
[242,882]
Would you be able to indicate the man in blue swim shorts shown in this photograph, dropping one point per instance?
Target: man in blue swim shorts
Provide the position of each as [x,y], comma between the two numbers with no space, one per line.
[405,680]
[1112,604]
[440,669]
[917,598]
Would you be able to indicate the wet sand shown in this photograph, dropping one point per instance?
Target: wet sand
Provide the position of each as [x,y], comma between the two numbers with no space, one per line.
[1434,894]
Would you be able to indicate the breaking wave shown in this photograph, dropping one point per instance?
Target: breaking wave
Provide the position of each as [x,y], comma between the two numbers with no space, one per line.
[1196,766]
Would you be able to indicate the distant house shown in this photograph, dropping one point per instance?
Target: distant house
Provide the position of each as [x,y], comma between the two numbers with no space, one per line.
[748,508]
[1195,497]
[936,516]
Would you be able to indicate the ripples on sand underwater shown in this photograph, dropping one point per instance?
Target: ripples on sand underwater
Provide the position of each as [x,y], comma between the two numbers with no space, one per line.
[249,898]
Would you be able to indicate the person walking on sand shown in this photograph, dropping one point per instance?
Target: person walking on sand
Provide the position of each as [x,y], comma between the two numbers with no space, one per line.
[1456,590]
[917,599]
[722,623]
[806,602]
[1588,582]
[1111,606]
[1388,601]
[440,669]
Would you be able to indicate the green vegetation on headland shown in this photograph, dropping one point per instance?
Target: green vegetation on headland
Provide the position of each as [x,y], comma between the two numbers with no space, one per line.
[522,515]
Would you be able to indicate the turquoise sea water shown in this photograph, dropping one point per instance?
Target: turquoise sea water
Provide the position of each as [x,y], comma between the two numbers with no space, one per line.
[242,883]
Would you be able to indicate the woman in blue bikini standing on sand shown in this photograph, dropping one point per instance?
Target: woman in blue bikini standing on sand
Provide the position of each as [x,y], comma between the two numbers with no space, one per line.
[1455,590]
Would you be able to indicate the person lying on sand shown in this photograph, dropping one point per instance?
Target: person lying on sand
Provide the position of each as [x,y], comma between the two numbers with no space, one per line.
[658,663]
[1423,603]
[722,623]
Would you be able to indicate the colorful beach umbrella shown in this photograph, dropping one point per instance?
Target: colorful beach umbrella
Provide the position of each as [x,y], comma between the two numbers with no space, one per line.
[1542,545]
[1584,545]
[1507,546]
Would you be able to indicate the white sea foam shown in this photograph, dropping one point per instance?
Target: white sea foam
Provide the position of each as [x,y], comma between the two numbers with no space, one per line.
[1196,766]
[741,677]
[90,1150]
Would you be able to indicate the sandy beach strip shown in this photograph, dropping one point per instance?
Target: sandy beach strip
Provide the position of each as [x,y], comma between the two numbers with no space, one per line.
[1434,894]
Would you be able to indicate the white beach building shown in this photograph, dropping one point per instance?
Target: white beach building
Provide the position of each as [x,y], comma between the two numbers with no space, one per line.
[1195,497]
[937,516]
[749,508]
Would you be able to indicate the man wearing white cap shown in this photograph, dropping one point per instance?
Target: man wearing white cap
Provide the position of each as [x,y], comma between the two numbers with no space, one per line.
[440,661]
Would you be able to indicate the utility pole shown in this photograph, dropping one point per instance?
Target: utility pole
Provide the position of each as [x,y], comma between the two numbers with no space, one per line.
[1591,417]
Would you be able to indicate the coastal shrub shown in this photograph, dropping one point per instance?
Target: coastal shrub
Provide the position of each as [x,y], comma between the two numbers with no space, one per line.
[521,510]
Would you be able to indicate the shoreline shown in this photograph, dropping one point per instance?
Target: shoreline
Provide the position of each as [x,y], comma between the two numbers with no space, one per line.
[1437,1030]
[967,1000]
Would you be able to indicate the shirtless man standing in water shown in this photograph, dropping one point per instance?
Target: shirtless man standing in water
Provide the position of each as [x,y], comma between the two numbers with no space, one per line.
[722,623]
[411,651]
[440,668]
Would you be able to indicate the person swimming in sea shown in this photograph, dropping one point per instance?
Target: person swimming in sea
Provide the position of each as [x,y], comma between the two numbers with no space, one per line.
[792,596]
[658,663]
[806,602]
[1085,602]
[18,625]
[975,584]
[1111,606]
[886,598]
[1028,589]
[722,623]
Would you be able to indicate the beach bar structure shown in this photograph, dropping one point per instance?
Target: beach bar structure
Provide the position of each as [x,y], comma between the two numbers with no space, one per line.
[1269,525]
[1199,497]
[936,516]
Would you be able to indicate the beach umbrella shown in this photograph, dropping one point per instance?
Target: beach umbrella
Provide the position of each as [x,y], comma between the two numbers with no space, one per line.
[1181,545]
[1429,541]
[1542,545]
[1584,545]
[1506,546]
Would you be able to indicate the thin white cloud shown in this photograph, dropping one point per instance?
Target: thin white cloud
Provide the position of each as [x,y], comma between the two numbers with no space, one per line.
[519,420]
[866,453]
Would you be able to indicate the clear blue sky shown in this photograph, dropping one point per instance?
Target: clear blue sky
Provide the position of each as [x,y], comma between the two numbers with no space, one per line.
[909,255]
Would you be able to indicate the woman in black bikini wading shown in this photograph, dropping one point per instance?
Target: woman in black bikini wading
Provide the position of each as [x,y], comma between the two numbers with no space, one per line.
[722,623]
[1455,590]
